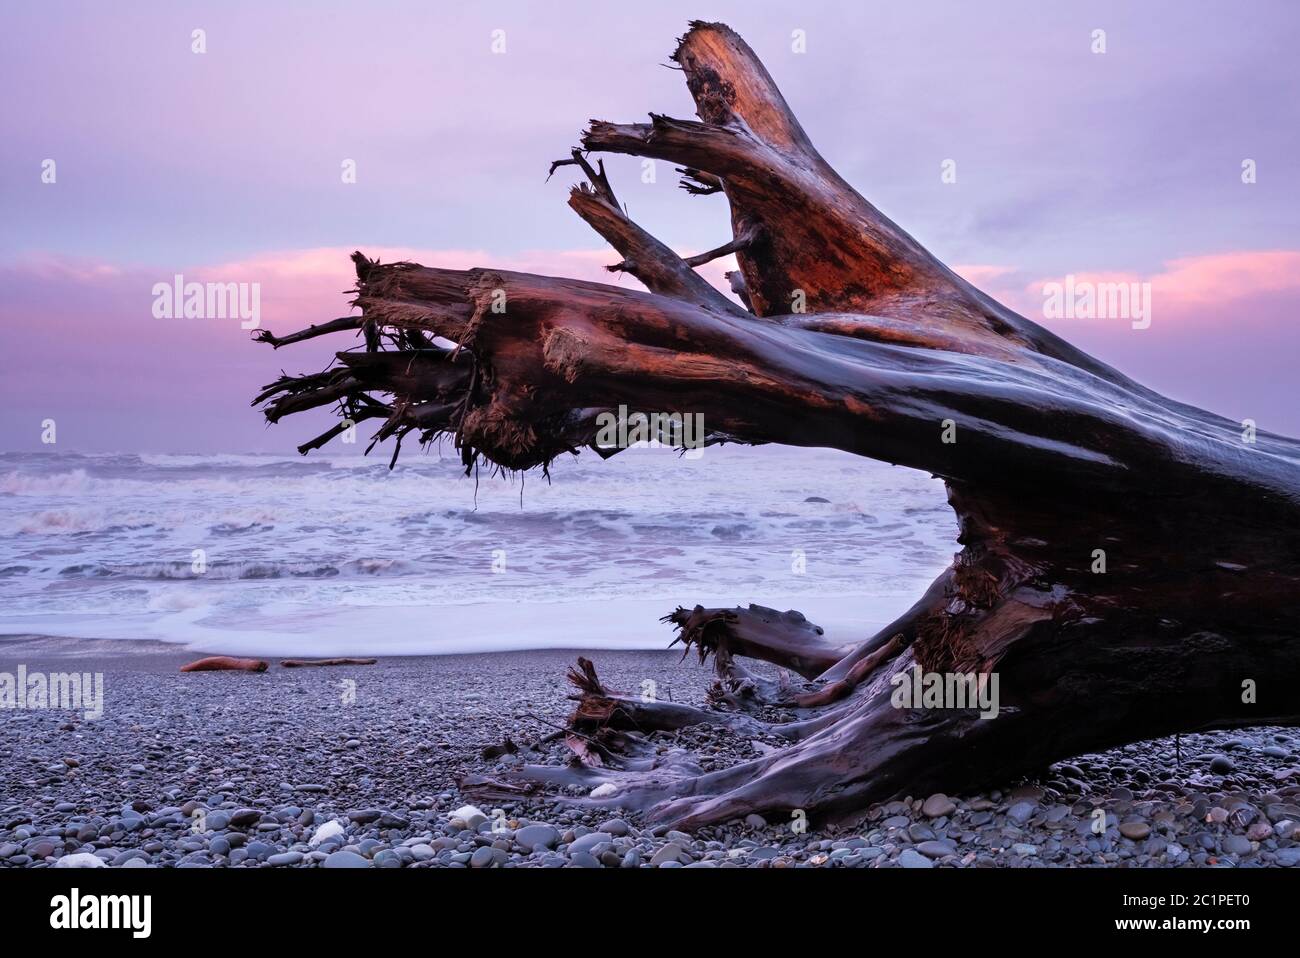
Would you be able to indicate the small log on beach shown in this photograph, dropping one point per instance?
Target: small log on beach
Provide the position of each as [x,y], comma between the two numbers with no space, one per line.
[305,663]
[225,663]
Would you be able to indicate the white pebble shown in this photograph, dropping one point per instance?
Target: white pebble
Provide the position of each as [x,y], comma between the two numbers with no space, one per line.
[328,830]
[80,860]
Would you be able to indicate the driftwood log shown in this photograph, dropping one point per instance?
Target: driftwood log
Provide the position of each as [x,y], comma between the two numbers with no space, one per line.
[1129,564]
[317,663]
[225,663]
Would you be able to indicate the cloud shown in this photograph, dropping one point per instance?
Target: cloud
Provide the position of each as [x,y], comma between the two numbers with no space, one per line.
[48,266]
[95,358]
[297,276]
[982,273]
[116,378]
[1199,289]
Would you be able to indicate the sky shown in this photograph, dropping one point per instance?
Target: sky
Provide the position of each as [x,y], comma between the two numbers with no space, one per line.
[226,165]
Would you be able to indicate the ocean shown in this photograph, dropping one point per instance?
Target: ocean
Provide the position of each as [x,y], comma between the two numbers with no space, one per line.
[335,555]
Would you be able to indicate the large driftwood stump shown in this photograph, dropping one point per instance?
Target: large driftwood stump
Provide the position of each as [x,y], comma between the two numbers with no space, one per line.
[1191,626]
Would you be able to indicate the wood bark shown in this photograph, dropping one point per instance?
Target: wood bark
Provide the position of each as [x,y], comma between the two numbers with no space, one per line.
[1058,458]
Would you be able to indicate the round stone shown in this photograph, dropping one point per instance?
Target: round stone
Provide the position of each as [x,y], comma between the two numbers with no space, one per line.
[343,859]
[538,836]
[1222,765]
[1135,830]
[938,805]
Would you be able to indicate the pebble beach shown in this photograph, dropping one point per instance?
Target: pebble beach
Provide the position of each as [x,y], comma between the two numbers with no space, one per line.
[357,767]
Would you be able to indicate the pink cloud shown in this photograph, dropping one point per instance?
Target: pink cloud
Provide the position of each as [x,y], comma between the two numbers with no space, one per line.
[118,378]
[980,274]
[1197,288]
[1188,290]
[48,266]
[317,277]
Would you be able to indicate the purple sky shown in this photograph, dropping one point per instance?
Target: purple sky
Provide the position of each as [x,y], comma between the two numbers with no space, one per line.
[226,166]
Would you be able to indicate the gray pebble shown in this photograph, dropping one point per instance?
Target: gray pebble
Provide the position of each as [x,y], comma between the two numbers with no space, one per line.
[909,858]
[346,860]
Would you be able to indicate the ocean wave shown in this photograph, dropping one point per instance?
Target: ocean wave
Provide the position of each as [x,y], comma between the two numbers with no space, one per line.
[218,571]
[375,566]
[74,521]
[75,482]
[110,538]
[369,566]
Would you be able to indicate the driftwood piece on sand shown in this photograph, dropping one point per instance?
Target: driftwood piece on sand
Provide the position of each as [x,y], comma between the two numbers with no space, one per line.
[225,663]
[1129,564]
[309,663]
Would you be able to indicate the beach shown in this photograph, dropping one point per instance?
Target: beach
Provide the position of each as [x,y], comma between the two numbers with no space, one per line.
[476,597]
[250,770]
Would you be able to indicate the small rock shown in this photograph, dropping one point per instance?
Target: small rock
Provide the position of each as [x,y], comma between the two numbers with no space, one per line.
[589,841]
[244,817]
[470,815]
[80,860]
[1021,812]
[910,858]
[920,832]
[935,849]
[1222,765]
[1135,830]
[672,852]
[1237,845]
[345,860]
[216,820]
[1259,831]
[533,837]
[328,830]
[1289,857]
[938,805]
[484,857]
